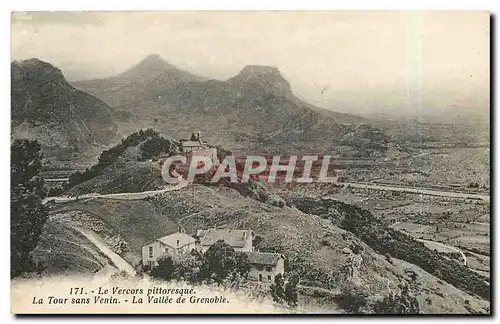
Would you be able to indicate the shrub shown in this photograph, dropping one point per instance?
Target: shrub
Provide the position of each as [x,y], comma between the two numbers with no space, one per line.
[352,298]
[402,303]
[275,200]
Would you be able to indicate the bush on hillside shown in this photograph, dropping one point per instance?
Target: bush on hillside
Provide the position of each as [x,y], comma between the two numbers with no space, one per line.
[152,145]
[401,303]
[352,298]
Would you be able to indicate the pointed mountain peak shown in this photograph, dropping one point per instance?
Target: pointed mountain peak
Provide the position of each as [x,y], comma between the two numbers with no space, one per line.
[153,58]
[147,69]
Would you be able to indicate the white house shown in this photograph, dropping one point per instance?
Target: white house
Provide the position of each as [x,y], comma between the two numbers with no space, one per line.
[265,266]
[173,243]
[239,240]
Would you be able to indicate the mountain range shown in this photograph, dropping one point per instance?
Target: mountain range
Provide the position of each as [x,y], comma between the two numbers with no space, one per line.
[62,118]
[256,109]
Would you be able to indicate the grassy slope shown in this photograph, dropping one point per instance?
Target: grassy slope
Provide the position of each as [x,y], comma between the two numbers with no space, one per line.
[119,223]
[307,237]
[312,244]
[62,250]
[131,177]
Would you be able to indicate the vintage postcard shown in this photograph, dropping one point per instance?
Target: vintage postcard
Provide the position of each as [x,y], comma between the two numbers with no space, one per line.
[250,162]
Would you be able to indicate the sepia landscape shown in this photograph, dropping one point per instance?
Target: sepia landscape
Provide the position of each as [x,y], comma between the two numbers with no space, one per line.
[399,100]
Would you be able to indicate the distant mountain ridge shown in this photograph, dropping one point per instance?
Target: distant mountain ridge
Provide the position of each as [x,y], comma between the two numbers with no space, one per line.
[46,107]
[150,76]
[256,108]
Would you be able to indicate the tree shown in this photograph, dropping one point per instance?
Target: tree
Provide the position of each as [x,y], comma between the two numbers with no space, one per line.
[179,266]
[187,267]
[28,214]
[242,265]
[221,259]
[153,146]
[164,270]
[285,291]
[277,289]
[290,293]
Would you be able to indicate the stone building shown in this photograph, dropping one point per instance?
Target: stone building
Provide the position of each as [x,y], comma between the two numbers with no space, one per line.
[170,244]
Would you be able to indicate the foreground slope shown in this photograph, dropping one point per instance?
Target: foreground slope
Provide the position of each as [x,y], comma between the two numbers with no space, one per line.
[316,248]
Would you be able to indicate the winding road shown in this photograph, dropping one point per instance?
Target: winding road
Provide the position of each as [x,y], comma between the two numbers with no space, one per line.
[421,191]
[117,260]
[432,245]
[120,196]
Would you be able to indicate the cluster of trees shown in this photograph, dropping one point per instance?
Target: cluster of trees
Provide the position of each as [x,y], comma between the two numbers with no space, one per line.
[152,145]
[219,263]
[352,298]
[27,213]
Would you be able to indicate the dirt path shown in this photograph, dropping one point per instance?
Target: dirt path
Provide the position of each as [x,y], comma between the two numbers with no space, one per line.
[117,260]
[430,243]
[121,196]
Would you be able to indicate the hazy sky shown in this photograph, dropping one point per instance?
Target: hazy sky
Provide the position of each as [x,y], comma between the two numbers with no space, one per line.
[344,60]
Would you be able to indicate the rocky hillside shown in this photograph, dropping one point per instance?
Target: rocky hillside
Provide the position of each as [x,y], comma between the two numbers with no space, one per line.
[316,248]
[63,119]
[254,110]
[125,167]
[393,243]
